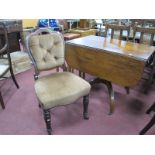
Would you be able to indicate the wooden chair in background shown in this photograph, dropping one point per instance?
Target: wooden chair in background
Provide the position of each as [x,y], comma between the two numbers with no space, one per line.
[146,36]
[65,30]
[5,59]
[151,122]
[120,29]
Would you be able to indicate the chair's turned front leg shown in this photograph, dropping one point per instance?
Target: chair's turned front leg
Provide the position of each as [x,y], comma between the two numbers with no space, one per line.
[47,118]
[85,107]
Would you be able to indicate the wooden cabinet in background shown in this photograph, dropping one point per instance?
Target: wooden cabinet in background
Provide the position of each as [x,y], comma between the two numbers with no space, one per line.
[84,23]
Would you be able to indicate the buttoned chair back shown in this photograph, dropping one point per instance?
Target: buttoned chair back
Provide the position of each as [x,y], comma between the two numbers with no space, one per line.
[5,59]
[47,51]
[120,31]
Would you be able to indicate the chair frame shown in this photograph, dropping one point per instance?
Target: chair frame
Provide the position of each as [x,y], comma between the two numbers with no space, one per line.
[151,63]
[1,101]
[4,49]
[116,27]
[39,32]
[46,112]
[151,122]
[143,31]
[121,28]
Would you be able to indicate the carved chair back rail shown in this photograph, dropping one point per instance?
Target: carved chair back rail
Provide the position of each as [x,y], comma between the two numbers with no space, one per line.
[120,28]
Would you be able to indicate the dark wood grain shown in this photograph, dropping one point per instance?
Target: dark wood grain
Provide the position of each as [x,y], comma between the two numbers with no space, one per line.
[109,59]
[120,28]
[143,32]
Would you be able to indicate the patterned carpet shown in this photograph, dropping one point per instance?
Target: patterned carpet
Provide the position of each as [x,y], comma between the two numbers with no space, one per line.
[22,115]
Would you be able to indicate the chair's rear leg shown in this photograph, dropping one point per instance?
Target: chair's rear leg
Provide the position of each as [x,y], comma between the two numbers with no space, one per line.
[148,126]
[1,101]
[127,90]
[13,77]
[47,118]
[85,107]
[152,108]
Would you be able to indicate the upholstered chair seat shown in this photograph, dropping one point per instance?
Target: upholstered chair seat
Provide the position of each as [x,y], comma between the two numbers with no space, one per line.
[47,51]
[3,69]
[65,30]
[60,89]
[69,36]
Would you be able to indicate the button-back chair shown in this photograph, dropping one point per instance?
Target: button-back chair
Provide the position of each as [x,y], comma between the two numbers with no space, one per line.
[145,35]
[57,89]
[5,58]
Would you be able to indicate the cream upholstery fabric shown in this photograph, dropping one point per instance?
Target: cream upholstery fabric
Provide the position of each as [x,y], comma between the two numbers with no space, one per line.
[20,62]
[47,50]
[69,35]
[60,89]
[3,69]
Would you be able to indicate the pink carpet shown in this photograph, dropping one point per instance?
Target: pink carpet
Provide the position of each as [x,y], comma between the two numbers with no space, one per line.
[22,115]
